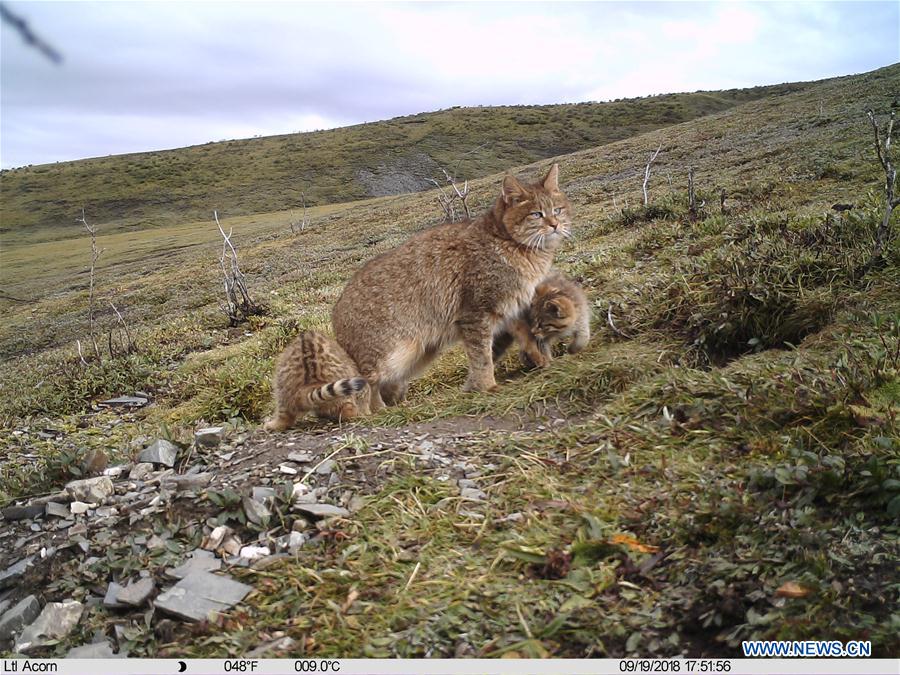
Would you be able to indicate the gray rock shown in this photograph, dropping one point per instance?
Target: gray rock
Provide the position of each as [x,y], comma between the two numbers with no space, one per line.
[473,493]
[296,540]
[12,573]
[160,452]
[322,510]
[300,524]
[257,512]
[300,457]
[201,593]
[93,490]
[325,467]
[129,401]
[56,509]
[110,600]
[140,471]
[261,494]
[56,621]
[209,437]
[200,561]
[268,649]
[21,615]
[23,512]
[97,650]
[187,481]
[136,594]
[77,508]
[466,483]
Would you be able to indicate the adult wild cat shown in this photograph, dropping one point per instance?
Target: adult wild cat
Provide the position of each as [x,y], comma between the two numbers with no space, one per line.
[453,282]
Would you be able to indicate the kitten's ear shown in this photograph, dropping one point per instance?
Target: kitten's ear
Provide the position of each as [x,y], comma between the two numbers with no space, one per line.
[554,308]
[513,190]
[551,181]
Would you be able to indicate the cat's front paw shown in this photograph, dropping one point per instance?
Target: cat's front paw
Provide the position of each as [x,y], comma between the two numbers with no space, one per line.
[479,385]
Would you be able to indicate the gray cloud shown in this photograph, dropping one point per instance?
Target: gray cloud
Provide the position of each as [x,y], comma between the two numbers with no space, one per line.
[143,76]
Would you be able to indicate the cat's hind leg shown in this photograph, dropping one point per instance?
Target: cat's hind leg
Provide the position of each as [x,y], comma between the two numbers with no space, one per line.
[281,420]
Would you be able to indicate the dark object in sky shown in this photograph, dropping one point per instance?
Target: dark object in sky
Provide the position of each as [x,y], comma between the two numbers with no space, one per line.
[19,25]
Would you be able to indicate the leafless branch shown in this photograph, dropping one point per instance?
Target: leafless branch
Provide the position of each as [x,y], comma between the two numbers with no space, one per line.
[612,325]
[19,25]
[95,255]
[304,220]
[448,200]
[883,151]
[692,198]
[238,304]
[129,343]
[653,156]
[80,353]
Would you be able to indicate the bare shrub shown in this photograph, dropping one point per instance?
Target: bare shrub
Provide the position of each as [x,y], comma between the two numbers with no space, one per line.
[238,305]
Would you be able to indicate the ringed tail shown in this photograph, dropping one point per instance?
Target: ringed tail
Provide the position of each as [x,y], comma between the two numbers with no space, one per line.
[337,389]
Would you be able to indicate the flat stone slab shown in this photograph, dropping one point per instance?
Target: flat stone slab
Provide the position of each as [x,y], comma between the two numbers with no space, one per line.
[136,594]
[190,481]
[201,593]
[209,437]
[200,561]
[111,599]
[133,401]
[322,510]
[98,650]
[91,490]
[56,509]
[23,512]
[56,621]
[12,573]
[22,614]
[257,512]
[160,451]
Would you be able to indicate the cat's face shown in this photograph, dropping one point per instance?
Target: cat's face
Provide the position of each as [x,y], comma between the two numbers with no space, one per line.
[552,316]
[537,216]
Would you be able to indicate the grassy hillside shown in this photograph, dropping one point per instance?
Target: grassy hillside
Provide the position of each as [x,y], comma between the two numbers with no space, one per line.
[734,435]
[242,177]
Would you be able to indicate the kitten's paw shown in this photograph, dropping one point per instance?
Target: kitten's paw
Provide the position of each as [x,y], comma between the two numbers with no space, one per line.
[276,424]
[535,359]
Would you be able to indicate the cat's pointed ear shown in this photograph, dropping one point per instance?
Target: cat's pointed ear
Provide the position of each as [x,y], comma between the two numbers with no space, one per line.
[513,190]
[551,181]
[554,308]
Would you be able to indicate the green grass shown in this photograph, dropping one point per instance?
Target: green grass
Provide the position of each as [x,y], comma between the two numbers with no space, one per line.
[244,177]
[741,421]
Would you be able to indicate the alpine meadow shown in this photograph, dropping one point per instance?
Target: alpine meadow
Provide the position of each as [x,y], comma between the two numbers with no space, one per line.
[719,463]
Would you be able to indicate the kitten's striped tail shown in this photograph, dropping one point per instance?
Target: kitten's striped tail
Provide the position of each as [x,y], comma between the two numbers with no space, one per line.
[337,389]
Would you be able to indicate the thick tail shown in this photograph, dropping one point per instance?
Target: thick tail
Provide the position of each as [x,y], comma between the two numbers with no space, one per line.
[337,389]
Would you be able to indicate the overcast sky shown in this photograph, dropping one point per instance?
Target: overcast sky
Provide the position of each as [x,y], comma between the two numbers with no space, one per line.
[144,76]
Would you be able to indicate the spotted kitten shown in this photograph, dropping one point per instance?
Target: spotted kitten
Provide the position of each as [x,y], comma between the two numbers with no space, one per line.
[558,311]
[313,374]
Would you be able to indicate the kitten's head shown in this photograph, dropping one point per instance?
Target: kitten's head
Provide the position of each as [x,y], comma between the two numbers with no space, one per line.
[551,315]
[536,216]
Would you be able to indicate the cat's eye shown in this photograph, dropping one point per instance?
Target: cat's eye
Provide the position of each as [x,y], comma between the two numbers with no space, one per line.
[536,214]
[557,210]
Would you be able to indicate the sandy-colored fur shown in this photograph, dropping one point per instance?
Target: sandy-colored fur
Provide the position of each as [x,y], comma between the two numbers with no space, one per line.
[454,282]
[313,374]
[559,311]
